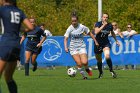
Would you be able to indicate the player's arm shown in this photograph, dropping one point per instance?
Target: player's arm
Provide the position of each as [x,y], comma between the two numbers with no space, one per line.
[28,24]
[43,38]
[41,41]
[114,36]
[65,43]
[66,36]
[93,37]
[99,29]
[23,37]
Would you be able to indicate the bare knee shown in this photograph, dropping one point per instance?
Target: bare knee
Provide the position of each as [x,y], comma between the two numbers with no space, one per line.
[107,56]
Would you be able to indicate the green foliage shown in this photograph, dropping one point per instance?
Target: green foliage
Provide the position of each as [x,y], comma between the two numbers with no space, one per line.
[56,13]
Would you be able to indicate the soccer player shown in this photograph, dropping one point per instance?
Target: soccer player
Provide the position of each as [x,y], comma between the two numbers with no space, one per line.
[102,30]
[33,45]
[11,18]
[77,46]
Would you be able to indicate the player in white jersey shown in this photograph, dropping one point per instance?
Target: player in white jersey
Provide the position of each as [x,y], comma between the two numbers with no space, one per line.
[77,46]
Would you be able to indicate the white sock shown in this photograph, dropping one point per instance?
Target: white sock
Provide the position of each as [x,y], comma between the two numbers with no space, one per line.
[82,72]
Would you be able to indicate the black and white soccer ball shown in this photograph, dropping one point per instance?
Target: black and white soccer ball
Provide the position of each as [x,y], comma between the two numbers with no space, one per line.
[71,72]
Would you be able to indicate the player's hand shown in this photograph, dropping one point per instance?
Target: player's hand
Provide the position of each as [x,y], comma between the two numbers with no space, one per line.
[66,50]
[117,43]
[39,45]
[104,22]
[97,44]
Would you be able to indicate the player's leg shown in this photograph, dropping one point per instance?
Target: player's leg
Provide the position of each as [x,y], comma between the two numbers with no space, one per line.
[99,64]
[77,59]
[27,59]
[34,63]
[8,74]
[84,61]
[106,51]
[2,66]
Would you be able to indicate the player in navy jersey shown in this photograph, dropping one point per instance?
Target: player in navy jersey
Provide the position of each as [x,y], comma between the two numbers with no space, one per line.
[102,30]
[11,18]
[33,46]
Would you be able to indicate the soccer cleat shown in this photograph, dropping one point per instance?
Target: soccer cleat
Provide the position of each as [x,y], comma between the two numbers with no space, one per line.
[114,75]
[100,75]
[89,72]
[85,78]
[34,67]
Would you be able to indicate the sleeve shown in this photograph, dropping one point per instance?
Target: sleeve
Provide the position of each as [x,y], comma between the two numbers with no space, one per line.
[97,24]
[23,16]
[86,29]
[67,32]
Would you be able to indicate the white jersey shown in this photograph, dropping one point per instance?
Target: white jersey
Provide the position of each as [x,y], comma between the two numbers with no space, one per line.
[76,36]
[48,33]
[116,31]
[126,33]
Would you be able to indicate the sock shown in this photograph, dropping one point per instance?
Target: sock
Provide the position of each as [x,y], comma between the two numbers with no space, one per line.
[87,68]
[109,63]
[12,86]
[99,64]
[26,69]
[82,72]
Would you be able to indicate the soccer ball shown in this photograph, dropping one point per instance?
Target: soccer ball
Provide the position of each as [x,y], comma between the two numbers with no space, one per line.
[71,72]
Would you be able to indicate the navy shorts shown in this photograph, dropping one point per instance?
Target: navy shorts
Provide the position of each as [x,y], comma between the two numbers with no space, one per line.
[32,48]
[99,49]
[9,53]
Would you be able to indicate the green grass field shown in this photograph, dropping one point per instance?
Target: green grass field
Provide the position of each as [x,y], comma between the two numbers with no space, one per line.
[57,81]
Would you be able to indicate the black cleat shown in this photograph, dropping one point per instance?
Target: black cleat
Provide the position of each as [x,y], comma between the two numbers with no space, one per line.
[34,67]
[85,78]
[100,75]
[114,75]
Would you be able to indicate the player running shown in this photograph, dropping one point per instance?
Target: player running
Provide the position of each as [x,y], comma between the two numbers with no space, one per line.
[102,30]
[33,46]
[11,18]
[77,46]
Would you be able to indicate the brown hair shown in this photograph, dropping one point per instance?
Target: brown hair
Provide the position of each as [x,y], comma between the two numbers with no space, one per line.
[74,14]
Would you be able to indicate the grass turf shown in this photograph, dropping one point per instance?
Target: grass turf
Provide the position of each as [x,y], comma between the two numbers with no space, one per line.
[57,81]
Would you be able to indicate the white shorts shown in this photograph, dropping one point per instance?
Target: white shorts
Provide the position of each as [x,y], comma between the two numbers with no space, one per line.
[78,51]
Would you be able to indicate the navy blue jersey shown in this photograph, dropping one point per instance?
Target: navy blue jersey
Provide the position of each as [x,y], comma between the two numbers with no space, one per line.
[33,39]
[11,18]
[102,37]
[35,35]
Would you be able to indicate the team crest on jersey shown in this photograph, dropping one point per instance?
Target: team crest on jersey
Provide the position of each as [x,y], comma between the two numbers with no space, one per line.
[52,50]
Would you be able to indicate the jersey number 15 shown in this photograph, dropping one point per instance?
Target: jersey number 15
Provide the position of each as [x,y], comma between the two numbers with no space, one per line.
[15,17]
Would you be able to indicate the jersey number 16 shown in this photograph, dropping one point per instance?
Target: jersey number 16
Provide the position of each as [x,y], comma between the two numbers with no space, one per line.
[15,17]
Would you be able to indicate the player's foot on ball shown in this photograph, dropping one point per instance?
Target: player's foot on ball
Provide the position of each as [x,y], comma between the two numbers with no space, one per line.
[34,67]
[114,75]
[89,72]
[100,75]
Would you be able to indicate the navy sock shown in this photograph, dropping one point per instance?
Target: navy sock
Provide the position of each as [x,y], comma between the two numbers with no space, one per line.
[99,64]
[109,63]
[26,69]
[12,86]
